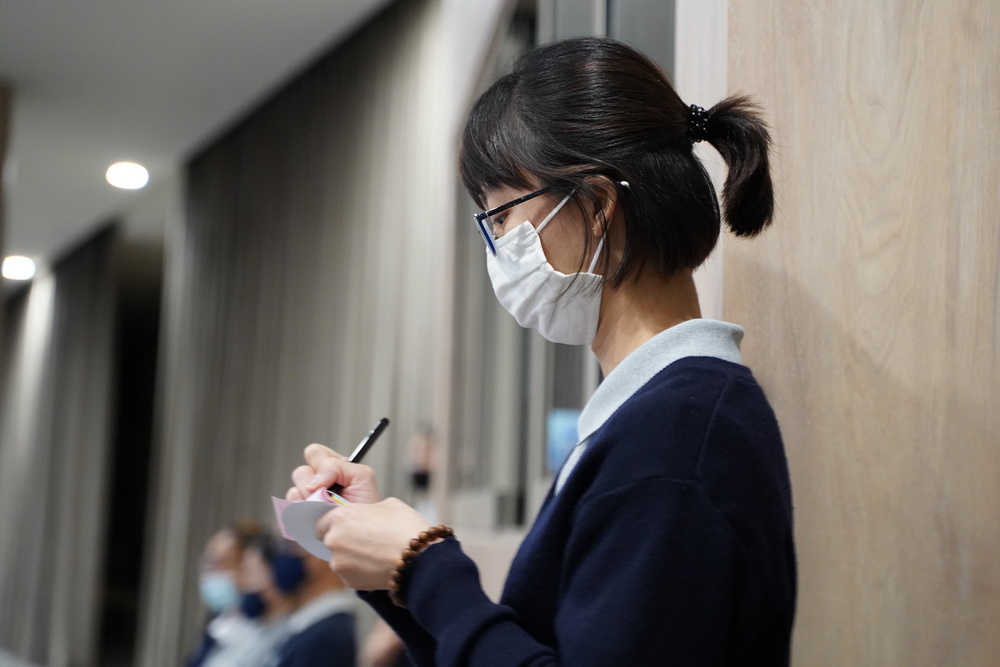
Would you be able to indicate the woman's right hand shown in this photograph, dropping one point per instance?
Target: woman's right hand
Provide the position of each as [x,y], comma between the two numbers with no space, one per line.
[324,468]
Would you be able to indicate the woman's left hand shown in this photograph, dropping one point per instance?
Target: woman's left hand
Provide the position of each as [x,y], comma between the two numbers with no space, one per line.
[367,540]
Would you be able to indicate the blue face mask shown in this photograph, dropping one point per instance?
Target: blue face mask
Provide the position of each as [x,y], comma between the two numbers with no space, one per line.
[252,605]
[288,571]
[218,591]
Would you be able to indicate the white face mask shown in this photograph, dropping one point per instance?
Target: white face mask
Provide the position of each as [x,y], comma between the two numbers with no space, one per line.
[562,308]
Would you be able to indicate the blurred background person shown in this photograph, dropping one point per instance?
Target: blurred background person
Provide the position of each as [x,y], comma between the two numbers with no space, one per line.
[269,574]
[423,454]
[321,629]
[218,584]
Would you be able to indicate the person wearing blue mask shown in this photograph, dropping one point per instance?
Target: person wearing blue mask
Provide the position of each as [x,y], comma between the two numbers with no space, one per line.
[218,584]
[266,578]
[321,627]
[667,536]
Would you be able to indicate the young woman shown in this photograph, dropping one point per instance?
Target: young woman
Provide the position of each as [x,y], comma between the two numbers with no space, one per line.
[667,536]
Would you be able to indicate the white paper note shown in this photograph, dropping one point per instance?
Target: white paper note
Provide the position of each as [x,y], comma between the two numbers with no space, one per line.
[297,519]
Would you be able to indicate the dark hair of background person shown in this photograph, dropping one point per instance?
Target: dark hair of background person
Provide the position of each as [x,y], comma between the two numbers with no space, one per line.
[287,567]
[245,531]
[586,107]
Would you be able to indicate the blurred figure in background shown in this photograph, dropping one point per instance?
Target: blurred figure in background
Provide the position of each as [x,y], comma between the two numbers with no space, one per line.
[322,626]
[422,447]
[268,575]
[218,581]
[272,604]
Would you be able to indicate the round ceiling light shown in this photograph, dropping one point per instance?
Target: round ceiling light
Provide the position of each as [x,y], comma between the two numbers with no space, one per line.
[16,267]
[127,175]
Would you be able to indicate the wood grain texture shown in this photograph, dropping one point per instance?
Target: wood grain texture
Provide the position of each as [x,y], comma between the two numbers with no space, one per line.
[872,316]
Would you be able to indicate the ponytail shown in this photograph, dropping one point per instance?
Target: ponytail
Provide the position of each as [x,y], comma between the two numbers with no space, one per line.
[735,128]
[592,106]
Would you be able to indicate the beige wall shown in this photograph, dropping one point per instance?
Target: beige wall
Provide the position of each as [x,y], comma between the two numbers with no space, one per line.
[872,317]
[700,78]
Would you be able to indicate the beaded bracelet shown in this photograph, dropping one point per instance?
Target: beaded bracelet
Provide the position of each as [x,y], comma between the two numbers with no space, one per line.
[417,545]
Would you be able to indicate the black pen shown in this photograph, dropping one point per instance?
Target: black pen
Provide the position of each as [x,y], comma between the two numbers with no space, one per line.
[362,449]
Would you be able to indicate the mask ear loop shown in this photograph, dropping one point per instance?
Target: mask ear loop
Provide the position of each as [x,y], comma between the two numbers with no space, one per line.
[600,244]
[551,215]
[597,253]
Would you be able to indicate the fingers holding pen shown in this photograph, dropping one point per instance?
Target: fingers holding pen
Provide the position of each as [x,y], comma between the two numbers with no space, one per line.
[315,454]
[326,468]
[301,477]
[309,477]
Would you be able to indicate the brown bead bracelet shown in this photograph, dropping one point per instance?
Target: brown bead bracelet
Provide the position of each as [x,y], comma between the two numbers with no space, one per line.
[417,545]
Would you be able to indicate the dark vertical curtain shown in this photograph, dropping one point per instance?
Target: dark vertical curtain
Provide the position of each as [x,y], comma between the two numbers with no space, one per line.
[55,409]
[305,296]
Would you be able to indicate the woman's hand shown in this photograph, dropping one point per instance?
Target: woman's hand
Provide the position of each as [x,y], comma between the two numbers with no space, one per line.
[367,540]
[325,467]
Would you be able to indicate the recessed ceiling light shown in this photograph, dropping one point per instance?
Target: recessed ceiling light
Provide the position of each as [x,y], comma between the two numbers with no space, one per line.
[16,267]
[127,175]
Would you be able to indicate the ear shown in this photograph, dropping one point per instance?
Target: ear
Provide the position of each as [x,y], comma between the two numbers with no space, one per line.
[605,204]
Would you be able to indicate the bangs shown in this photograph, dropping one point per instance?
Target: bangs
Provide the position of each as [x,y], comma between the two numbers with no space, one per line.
[493,152]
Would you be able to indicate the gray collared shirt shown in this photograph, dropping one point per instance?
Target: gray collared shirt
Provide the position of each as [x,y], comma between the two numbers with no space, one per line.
[693,338]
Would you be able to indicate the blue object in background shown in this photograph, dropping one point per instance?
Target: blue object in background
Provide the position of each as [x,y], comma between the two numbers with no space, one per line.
[561,436]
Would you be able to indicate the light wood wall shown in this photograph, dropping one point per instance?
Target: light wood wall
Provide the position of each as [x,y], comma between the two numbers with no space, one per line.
[872,316]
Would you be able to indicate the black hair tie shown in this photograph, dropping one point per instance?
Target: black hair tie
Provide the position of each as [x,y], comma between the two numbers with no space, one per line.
[698,123]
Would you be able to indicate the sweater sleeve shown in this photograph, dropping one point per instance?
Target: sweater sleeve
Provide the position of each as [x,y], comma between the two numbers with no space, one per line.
[648,574]
[420,646]
[448,613]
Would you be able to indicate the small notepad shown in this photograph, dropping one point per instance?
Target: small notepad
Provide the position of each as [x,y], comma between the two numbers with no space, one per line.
[297,519]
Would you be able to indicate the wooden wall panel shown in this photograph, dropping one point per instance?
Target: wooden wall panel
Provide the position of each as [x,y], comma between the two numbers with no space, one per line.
[872,316]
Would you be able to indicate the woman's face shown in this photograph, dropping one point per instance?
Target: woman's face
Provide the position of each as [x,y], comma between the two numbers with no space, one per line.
[562,239]
[222,554]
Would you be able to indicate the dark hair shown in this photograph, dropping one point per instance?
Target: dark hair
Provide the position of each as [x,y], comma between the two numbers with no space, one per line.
[287,567]
[245,531]
[591,106]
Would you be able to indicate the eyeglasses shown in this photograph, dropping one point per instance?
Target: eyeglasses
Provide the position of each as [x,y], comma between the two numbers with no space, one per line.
[486,224]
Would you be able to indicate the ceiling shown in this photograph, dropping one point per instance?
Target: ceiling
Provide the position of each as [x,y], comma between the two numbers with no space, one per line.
[99,81]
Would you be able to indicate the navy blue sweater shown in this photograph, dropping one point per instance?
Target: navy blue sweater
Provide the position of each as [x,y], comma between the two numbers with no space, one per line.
[669,544]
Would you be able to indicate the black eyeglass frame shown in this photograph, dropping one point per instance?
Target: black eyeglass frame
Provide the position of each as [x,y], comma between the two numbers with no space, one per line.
[485,227]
